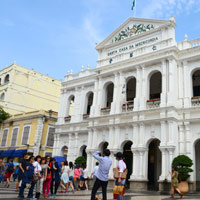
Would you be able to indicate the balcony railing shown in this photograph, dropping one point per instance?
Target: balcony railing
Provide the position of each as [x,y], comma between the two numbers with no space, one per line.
[153,103]
[105,110]
[128,106]
[68,118]
[86,116]
[195,101]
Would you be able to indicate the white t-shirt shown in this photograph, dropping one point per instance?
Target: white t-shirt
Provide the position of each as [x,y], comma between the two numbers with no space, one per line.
[71,172]
[94,172]
[37,167]
[121,166]
[65,169]
[85,173]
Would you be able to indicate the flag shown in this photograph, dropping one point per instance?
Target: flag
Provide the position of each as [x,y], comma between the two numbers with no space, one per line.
[133,6]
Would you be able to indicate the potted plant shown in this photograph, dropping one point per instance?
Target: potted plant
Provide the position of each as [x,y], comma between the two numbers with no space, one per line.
[183,164]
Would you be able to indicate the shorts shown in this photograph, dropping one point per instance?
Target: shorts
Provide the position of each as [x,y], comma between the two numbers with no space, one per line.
[85,179]
[8,174]
[71,178]
[81,178]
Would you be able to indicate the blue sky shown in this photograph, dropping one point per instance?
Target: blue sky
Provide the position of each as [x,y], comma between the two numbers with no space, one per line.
[54,36]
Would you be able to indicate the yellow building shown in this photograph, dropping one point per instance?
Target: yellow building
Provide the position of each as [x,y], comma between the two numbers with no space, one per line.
[31,131]
[24,90]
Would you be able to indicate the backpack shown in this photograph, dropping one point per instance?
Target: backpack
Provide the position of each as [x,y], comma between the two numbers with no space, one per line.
[10,168]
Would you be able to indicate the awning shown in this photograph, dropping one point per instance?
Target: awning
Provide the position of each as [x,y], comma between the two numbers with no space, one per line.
[19,153]
[1,151]
[7,153]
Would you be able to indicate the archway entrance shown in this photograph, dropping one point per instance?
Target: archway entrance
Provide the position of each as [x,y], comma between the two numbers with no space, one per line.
[154,165]
[83,151]
[103,146]
[128,156]
[197,150]
[64,151]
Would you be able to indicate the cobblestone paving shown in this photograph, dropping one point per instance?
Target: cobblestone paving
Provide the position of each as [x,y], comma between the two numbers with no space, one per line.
[11,194]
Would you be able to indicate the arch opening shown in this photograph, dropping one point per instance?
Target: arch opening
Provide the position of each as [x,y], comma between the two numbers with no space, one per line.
[109,94]
[196,83]
[83,151]
[131,89]
[197,159]
[154,164]
[128,157]
[103,146]
[6,80]
[64,151]
[89,103]
[71,106]
[155,86]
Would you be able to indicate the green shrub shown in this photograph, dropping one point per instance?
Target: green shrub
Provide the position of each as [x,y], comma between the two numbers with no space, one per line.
[3,115]
[80,160]
[183,164]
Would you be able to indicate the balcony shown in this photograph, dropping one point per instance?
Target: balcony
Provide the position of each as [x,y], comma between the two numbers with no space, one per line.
[68,118]
[127,107]
[153,103]
[105,111]
[86,116]
[195,101]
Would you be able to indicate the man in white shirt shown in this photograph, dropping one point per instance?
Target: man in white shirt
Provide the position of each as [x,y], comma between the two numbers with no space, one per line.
[102,173]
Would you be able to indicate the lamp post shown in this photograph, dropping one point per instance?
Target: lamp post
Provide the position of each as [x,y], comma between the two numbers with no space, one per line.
[50,113]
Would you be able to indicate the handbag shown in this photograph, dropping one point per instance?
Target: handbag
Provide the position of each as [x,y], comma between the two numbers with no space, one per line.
[116,173]
[36,177]
[119,190]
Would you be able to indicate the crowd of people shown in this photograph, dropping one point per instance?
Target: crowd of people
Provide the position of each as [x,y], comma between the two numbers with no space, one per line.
[43,176]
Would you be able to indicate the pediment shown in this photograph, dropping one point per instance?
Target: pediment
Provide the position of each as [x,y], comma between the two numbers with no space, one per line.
[133,27]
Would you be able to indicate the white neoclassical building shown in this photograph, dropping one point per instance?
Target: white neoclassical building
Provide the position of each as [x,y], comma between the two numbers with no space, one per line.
[143,99]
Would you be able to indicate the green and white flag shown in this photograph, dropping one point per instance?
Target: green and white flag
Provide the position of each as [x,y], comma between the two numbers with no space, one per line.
[133,5]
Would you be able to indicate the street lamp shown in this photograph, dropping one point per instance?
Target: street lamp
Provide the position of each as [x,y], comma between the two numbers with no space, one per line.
[50,113]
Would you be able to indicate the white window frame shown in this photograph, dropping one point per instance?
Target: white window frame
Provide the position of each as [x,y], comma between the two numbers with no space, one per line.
[51,126]
[12,135]
[6,137]
[23,135]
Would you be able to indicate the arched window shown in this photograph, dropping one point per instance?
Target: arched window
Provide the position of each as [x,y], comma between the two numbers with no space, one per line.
[2,97]
[109,94]
[71,105]
[131,89]
[196,83]
[6,80]
[89,103]
[155,85]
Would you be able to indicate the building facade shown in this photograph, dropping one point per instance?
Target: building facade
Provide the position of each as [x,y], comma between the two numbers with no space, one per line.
[31,131]
[24,90]
[141,99]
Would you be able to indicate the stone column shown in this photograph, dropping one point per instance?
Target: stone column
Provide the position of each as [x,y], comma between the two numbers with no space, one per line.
[188,139]
[38,136]
[55,145]
[171,133]
[164,84]
[171,152]
[94,145]
[187,99]
[75,113]
[181,139]
[144,95]
[82,102]
[90,134]
[62,108]
[111,136]
[135,164]
[76,145]
[58,145]
[99,100]
[70,150]
[115,94]
[94,104]
[117,131]
[141,136]
[163,133]
[164,171]
[89,162]
[138,89]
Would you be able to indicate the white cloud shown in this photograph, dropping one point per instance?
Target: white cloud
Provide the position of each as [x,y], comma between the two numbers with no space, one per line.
[166,8]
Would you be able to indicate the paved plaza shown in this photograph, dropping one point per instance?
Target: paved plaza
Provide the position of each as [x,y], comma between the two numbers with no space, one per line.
[10,193]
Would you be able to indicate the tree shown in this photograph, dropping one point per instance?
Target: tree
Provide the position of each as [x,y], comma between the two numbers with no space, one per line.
[183,164]
[80,160]
[3,115]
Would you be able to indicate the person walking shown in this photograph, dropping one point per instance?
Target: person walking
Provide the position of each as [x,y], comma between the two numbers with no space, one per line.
[85,176]
[65,176]
[2,170]
[102,173]
[36,177]
[22,167]
[47,180]
[55,177]
[9,171]
[94,171]
[27,177]
[121,166]
[77,174]
[174,185]
[71,174]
